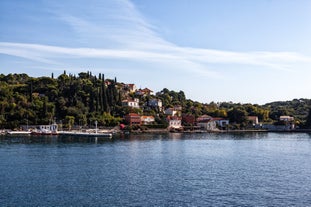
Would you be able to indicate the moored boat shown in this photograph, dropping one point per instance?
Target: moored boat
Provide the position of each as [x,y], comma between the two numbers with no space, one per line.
[19,132]
[46,130]
[92,134]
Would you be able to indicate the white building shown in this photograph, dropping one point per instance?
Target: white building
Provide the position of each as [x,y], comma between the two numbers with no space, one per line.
[208,125]
[286,118]
[221,122]
[131,103]
[155,103]
[175,124]
[145,120]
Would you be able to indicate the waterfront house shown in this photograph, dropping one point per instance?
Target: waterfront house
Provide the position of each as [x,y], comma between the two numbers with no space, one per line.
[221,122]
[286,118]
[288,121]
[253,120]
[132,119]
[174,122]
[207,124]
[146,120]
[285,123]
[204,118]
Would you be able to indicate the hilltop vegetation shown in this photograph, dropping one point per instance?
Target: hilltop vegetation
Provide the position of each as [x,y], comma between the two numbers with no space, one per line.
[82,99]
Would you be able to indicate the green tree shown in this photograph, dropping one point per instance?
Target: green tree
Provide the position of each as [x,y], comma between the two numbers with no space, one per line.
[237,115]
[70,120]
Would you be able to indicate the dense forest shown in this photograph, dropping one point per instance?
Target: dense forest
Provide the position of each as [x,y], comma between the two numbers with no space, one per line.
[81,99]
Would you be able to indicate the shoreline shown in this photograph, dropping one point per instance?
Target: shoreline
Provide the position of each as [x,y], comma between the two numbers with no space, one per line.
[150,131]
[156,131]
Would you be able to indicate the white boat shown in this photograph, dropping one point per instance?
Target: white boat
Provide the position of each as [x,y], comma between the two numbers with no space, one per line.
[78,133]
[46,130]
[92,133]
[19,132]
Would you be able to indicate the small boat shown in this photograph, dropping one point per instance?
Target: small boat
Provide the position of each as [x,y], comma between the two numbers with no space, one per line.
[92,133]
[46,130]
[89,134]
[19,132]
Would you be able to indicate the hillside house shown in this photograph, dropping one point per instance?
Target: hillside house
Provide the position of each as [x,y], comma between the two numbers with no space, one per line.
[155,103]
[177,108]
[170,112]
[144,92]
[133,103]
[173,111]
[130,87]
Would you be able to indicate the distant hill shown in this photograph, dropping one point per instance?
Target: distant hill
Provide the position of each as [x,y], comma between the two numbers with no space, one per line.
[297,108]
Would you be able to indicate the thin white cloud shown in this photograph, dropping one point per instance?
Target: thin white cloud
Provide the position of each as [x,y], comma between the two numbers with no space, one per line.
[50,54]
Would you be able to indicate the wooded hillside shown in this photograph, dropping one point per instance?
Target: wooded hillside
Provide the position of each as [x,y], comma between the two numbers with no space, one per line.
[81,99]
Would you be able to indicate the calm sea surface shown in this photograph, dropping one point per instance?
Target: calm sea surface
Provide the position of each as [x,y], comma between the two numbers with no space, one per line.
[253,169]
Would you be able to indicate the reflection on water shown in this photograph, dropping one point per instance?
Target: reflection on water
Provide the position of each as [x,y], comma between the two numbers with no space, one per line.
[10,139]
[52,139]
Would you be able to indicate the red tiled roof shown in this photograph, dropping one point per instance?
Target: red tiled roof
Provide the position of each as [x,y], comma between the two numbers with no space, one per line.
[132,114]
[252,117]
[218,118]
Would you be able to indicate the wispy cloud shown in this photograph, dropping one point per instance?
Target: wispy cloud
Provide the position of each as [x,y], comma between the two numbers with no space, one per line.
[197,58]
[121,32]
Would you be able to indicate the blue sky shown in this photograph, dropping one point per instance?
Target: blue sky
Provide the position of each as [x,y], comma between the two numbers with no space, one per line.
[242,51]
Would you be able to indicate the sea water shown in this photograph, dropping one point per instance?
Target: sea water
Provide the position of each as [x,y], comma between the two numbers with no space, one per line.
[239,169]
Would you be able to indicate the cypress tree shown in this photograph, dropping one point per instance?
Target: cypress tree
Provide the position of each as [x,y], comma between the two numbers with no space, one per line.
[101,98]
[308,121]
[105,98]
[30,91]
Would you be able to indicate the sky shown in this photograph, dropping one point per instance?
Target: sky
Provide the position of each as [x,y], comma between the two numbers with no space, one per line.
[255,51]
